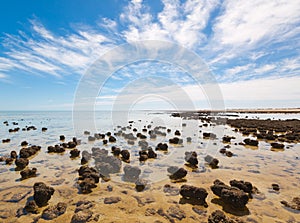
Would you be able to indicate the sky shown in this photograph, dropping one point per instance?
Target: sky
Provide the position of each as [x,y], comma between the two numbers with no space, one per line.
[251,49]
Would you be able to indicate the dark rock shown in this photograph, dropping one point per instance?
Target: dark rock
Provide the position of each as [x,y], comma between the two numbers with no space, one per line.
[9,161]
[176,173]
[232,196]
[151,153]
[171,190]
[276,145]
[177,133]
[89,177]
[229,154]
[251,142]
[112,139]
[91,138]
[209,135]
[56,149]
[27,173]
[44,129]
[104,141]
[294,204]
[227,139]
[72,144]
[191,158]
[140,185]
[162,147]
[176,212]
[24,143]
[193,193]
[82,216]
[116,150]
[54,211]
[74,153]
[86,133]
[5,140]
[42,193]
[125,155]
[175,140]
[275,187]
[212,162]
[13,154]
[223,150]
[86,156]
[217,216]
[31,207]
[242,185]
[29,151]
[131,173]
[112,200]
[21,163]
[62,137]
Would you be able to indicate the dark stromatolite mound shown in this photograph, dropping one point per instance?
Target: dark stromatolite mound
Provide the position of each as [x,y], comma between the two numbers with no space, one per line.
[54,211]
[44,129]
[74,153]
[29,151]
[5,140]
[140,185]
[125,155]
[219,217]
[89,177]
[27,173]
[21,163]
[24,143]
[131,173]
[31,207]
[62,137]
[212,162]
[116,150]
[13,154]
[42,193]
[242,185]
[294,204]
[251,142]
[191,158]
[209,135]
[56,149]
[112,139]
[176,173]
[275,187]
[232,196]
[175,140]
[290,128]
[227,139]
[276,145]
[193,193]
[177,133]
[86,157]
[147,154]
[162,147]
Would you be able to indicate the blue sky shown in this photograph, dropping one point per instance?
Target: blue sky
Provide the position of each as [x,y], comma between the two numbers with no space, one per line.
[251,47]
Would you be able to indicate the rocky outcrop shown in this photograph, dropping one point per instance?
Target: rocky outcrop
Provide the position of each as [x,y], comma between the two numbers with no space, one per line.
[42,193]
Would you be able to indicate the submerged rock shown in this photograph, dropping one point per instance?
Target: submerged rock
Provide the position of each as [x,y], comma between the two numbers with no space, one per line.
[131,173]
[212,162]
[191,158]
[54,211]
[112,200]
[294,204]
[176,173]
[31,207]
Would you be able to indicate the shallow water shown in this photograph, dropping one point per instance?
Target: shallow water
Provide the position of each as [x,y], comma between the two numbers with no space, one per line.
[260,166]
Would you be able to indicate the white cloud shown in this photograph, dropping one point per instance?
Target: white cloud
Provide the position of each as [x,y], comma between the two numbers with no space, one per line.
[248,22]
[2,76]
